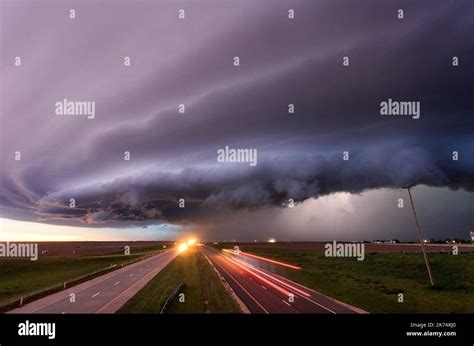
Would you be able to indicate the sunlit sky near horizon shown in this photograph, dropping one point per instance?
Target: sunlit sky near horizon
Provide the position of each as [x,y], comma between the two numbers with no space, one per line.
[13,230]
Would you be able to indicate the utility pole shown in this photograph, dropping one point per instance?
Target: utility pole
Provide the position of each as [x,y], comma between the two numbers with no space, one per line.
[418,229]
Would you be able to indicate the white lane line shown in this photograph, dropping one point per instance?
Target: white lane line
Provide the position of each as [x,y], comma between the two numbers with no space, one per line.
[284,301]
[131,275]
[95,295]
[312,297]
[146,278]
[263,287]
[322,306]
[220,266]
[297,294]
[85,288]
[117,282]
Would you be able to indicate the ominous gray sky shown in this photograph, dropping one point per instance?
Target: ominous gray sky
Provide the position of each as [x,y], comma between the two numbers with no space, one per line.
[282,61]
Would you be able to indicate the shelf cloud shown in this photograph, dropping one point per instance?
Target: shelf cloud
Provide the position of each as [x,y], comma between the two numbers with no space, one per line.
[182,99]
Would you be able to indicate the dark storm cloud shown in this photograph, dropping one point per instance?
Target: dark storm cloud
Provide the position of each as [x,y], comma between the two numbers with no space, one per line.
[154,194]
[190,62]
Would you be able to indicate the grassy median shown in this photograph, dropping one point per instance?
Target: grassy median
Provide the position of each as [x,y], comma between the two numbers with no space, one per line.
[204,293]
[374,284]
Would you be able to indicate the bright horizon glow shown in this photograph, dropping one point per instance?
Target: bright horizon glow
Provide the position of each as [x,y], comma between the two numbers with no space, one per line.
[14,230]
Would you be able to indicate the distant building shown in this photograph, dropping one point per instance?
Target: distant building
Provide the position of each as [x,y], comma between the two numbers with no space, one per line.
[385,241]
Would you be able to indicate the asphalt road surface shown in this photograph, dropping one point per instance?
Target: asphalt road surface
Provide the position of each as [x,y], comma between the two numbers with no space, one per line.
[265,292]
[103,294]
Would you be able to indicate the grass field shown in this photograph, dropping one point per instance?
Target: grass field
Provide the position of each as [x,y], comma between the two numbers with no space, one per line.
[374,284]
[204,293]
[19,277]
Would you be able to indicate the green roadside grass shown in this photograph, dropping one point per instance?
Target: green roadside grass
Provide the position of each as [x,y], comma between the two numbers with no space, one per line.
[204,292]
[19,277]
[374,284]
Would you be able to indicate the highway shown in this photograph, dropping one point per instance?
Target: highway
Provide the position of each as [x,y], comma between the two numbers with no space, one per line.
[265,292]
[103,294]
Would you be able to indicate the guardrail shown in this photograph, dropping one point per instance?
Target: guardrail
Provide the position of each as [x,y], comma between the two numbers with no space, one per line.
[19,302]
[171,297]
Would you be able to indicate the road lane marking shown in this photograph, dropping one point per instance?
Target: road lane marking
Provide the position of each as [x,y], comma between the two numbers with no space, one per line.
[283,287]
[260,305]
[299,295]
[95,295]
[291,288]
[308,299]
[98,280]
[337,302]
[252,271]
[284,301]
[148,277]
[263,287]
[131,275]
[117,282]
[322,306]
